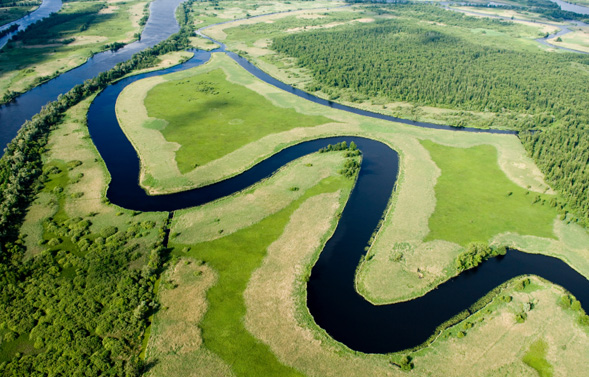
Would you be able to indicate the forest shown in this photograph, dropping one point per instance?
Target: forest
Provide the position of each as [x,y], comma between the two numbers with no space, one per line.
[425,65]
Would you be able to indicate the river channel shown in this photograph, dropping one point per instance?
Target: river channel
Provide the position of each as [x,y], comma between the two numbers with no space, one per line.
[332,298]
[161,24]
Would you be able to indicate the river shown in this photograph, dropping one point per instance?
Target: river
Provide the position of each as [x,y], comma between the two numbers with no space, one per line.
[44,10]
[331,296]
[161,24]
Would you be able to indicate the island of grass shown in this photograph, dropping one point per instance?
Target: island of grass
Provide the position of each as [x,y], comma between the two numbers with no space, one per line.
[197,126]
[210,117]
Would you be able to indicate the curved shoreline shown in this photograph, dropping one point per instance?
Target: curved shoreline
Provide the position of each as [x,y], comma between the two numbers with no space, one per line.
[331,296]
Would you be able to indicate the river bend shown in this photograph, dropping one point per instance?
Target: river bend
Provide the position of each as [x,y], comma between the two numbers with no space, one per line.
[331,295]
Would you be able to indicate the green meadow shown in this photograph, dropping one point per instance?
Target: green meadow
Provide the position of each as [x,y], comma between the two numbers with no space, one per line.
[475,200]
[234,258]
[210,117]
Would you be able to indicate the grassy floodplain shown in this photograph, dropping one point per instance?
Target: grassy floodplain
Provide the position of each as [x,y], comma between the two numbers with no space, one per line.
[238,314]
[232,298]
[475,200]
[207,124]
[406,226]
[66,40]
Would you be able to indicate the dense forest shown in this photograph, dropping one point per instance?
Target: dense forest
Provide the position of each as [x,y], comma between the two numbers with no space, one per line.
[545,8]
[425,65]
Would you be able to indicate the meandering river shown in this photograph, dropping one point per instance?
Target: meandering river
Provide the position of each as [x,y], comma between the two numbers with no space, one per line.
[332,298]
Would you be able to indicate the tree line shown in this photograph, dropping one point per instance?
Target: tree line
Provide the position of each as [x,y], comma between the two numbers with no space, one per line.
[425,65]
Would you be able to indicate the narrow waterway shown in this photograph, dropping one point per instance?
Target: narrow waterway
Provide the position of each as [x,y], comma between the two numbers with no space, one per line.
[44,10]
[332,298]
[161,25]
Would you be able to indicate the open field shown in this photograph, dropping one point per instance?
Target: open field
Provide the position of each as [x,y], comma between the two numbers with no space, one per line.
[210,117]
[475,200]
[175,345]
[228,215]
[66,41]
[234,258]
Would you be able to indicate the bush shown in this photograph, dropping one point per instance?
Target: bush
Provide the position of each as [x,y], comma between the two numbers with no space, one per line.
[475,254]
[108,231]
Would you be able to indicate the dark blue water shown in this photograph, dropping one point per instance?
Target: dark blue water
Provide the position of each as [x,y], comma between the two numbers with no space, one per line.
[332,299]
[161,24]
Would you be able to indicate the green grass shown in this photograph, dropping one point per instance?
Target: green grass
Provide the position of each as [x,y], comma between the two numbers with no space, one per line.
[475,200]
[211,117]
[536,358]
[235,258]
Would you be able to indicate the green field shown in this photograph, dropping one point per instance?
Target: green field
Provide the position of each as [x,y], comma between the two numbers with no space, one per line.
[475,200]
[211,117]
[234,258]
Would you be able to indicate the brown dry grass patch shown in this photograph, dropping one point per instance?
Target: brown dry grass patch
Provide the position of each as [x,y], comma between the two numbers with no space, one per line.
[175,346]
[272,302]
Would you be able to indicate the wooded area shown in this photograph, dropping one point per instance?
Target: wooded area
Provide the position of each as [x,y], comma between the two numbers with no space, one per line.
[424,65]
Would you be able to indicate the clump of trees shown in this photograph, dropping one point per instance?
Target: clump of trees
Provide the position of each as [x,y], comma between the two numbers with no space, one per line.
[8,30]
[405,363]
[568,302]
[475,254]
[352,164]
